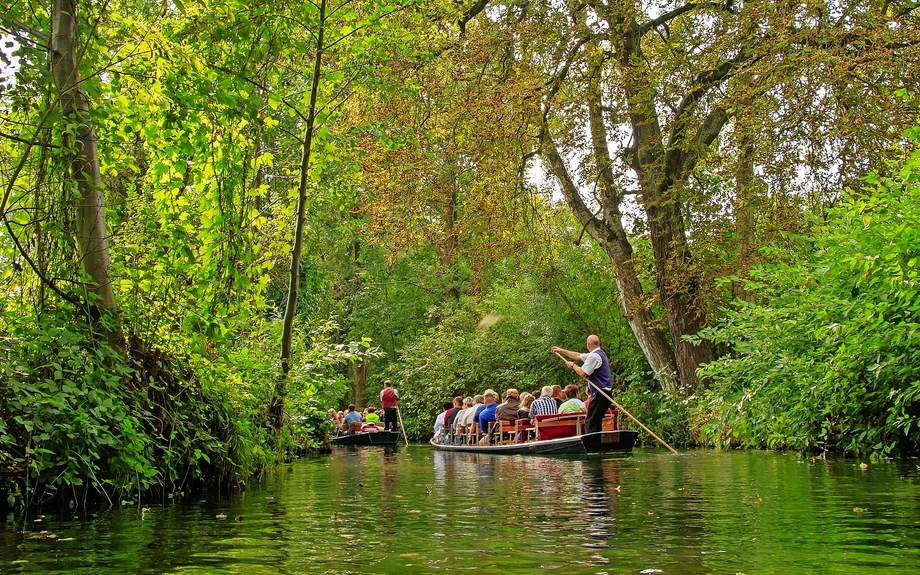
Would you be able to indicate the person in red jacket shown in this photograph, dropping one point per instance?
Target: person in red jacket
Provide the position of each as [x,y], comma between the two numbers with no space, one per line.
[389,397]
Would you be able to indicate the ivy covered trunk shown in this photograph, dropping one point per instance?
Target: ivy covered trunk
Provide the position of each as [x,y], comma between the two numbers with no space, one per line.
[83,182]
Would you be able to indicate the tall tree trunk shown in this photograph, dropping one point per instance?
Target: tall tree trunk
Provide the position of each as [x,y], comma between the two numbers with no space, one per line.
[83,176]
[360,384]
[744,211]
[610,235]
[615,243]
[276,411]
[661,171]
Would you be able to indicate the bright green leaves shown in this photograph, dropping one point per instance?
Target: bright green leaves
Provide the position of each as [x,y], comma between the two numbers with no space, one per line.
[833,350]
[73,414]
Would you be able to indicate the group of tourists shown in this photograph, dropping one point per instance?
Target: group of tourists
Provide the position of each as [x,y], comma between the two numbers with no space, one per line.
[481,412]
[351,420]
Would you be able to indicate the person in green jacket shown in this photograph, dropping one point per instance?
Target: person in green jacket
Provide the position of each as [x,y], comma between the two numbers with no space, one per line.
[372,416]
[573,404]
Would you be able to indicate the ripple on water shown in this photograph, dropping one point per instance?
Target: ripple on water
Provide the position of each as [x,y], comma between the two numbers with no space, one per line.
[417,511]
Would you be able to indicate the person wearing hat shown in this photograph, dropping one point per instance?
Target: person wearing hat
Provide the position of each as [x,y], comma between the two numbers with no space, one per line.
[508,411]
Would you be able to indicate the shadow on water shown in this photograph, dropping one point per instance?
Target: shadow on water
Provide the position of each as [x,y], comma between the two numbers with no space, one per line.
[414,510]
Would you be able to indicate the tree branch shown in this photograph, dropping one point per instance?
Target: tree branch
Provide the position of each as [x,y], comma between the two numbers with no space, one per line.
[25,255]
[555,83]
[38,35]
[569,189]
[668,16]
[471,13]
[260,86]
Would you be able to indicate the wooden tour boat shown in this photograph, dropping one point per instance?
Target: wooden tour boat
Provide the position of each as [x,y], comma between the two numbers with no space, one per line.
[365,434]
[556,434]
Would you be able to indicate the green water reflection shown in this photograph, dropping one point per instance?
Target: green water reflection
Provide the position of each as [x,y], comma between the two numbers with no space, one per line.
[413,510]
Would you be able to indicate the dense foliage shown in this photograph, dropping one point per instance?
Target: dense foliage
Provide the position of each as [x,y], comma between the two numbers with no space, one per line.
[222,217]
[828,356]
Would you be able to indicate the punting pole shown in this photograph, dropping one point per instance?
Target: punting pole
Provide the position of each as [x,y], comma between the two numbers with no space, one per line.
[403,427]
[618,406]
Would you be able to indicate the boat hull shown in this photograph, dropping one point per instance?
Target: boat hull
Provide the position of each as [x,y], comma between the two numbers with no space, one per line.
[620,441]
[367,438]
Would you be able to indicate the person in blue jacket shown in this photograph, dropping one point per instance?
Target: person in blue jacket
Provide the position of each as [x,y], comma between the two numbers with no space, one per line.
[487,415]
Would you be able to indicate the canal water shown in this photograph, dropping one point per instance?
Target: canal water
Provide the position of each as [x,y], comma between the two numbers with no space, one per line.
[414,510]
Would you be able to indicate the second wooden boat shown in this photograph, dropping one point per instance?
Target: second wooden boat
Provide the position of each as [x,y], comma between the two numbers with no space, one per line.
[366,435]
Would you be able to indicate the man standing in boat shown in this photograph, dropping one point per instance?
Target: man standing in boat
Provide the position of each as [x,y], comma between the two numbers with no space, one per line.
[389,397]
[595,368]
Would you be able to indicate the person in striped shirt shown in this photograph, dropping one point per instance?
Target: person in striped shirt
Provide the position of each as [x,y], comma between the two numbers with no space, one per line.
[545,405]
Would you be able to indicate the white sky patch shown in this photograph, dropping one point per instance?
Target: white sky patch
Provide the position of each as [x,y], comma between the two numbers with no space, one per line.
[8,70]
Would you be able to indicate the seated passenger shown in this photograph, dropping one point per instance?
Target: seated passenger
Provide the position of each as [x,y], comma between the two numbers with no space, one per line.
[487,415]
[572,404]
[558,396]
[524,408]
[469,416]
[458,421]
[372,416]
[439,421]
[352,416]
[455,409]
[545,405]
[508,411]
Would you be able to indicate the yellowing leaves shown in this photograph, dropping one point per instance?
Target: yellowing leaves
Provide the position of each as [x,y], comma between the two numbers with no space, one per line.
[266,159]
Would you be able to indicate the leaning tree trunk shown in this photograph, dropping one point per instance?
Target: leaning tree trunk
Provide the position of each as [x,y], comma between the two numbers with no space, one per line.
[614,241]
[661,168]
[608,232]
[276,410]
[83,178]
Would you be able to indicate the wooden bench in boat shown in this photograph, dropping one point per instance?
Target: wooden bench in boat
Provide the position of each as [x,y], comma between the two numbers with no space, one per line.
[555,425]
[512,431]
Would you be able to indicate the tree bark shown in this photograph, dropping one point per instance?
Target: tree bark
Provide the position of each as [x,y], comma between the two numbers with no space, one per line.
[661,170]
[616,244]
[744,212]
[610,235]
[83,176]
[276,411]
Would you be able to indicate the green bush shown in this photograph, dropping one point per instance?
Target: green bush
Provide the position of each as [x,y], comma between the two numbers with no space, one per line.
[830,357]
[69,415]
